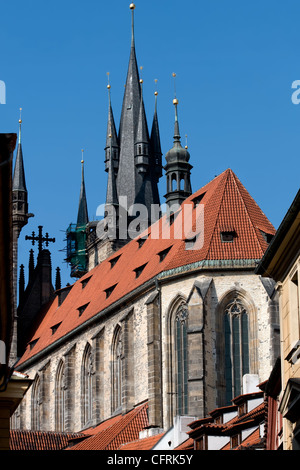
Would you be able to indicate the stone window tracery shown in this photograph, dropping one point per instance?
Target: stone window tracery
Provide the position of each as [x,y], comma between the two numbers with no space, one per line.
[236,331]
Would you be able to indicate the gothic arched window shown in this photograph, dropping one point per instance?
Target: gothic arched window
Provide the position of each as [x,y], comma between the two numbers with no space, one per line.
[87,385]
[60,388]
[181,359]
[36,403]
[236,329]
[117,370]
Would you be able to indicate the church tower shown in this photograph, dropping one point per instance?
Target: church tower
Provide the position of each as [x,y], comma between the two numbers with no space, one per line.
[133,162]
[77,233]
[20,218]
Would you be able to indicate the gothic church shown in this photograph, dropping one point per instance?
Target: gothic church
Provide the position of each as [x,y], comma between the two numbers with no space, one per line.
[177,322]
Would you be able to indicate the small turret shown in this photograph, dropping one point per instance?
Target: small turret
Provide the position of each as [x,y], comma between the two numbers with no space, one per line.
[178,168]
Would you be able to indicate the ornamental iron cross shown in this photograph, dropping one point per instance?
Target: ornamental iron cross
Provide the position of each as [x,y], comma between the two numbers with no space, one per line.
[39,238]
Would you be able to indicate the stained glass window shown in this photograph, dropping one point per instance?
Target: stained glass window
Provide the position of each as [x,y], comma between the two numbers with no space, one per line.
[236,331]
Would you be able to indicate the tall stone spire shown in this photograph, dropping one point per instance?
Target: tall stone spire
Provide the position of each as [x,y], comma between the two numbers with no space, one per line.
[19,189]
[112,142]
[128,179]
[155,143]
[19,183]
[82,217]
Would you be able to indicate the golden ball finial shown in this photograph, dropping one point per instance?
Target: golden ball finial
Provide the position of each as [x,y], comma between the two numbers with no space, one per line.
[108,86]
[156,93]
[175,101]
[132,6]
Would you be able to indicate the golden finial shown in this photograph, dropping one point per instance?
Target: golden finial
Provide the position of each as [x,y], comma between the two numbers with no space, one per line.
[175,100]
[132,6]
[82,161]
[141,80]
[20,120]
[186,142]
[108,84]
[156,92]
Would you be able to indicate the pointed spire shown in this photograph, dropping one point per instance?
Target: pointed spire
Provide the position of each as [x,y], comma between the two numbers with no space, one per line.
[57,279]
[82,218]
[112,143]
[128,126]
[19,183]
[155,141]
[31,264]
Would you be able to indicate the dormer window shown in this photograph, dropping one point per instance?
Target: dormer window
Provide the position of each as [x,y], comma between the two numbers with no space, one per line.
[242,409]
[110,290]
[85,281]
[235,441]
[138,271]
[267,236]
[141,242]
[33,343]
[114,260]
[219,419]
[228,236]
[54,327]
[82,309]
[196,200]
[162,254]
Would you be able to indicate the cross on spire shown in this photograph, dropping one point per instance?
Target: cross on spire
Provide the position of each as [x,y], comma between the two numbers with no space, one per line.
[39,238]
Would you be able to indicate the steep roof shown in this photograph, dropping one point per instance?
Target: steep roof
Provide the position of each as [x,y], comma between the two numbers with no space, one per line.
[82,217]
[40,440]
[114,432]
[228,207]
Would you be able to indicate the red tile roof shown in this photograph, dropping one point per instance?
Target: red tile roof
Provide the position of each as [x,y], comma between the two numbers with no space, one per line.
[247,420]
[142,444]
[114,432]
[252,441]
[40,440]
[227,207]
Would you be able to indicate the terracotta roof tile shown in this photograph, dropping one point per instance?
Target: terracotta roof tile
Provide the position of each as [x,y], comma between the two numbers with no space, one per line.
[116,431]
[227,206]
[40,440]
[146,443]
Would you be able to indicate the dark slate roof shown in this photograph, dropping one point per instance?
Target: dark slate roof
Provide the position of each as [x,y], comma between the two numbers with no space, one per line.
[19,183]
[82,217]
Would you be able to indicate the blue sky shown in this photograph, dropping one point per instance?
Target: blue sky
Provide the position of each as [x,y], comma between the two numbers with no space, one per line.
[235,63]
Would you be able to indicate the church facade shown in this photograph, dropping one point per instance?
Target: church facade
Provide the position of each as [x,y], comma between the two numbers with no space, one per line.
[173,314]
